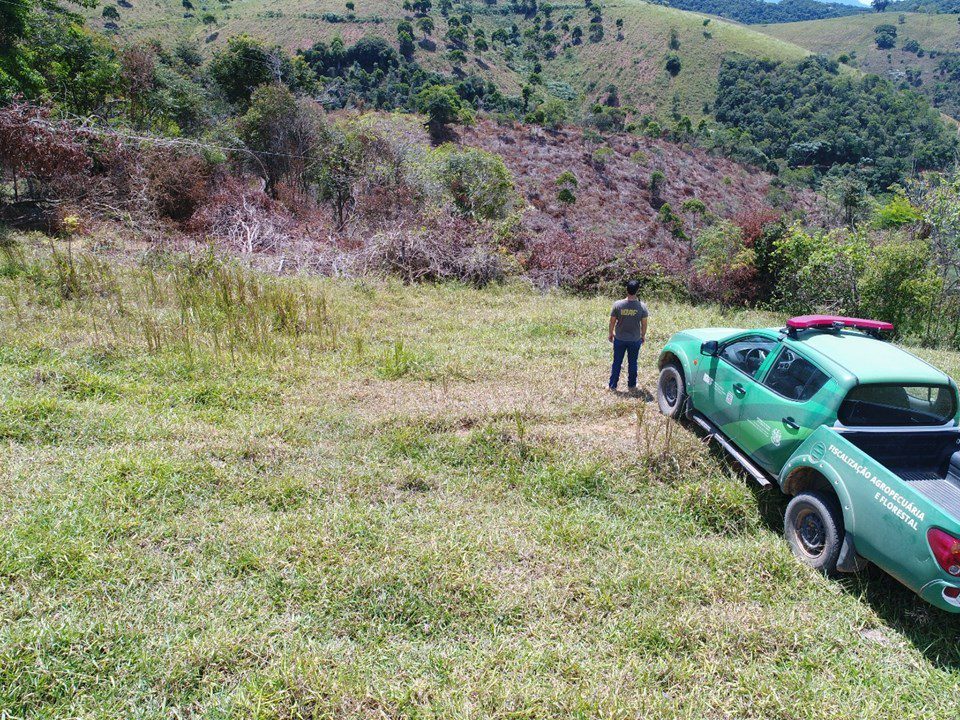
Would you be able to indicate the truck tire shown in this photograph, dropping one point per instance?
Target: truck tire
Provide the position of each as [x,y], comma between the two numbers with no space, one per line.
[813,525]
[671,391]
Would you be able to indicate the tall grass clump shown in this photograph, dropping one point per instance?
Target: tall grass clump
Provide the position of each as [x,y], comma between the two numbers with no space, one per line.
[189,304]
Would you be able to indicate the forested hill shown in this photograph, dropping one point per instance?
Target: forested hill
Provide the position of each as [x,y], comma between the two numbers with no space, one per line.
[758,11]
[925,6]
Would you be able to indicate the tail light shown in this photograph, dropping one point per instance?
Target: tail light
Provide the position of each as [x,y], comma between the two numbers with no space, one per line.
[946,549]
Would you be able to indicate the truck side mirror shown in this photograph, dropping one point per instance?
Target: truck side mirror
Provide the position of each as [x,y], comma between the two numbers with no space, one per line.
[710,348]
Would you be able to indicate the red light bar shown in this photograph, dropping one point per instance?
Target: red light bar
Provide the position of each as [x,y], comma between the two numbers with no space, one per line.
[807,322]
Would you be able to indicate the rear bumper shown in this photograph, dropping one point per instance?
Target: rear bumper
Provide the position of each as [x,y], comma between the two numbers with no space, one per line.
[932,592]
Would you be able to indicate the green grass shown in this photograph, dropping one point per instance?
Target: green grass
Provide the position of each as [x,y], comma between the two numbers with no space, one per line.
[378,500]
[636,64]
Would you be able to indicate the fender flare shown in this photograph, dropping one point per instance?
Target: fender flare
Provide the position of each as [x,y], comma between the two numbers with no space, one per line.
[671,351]
[806,462]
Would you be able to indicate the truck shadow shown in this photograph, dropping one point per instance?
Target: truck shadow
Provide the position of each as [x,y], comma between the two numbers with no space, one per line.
[935,633]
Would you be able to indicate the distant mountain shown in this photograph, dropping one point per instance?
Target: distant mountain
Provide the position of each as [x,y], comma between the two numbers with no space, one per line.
[753,12]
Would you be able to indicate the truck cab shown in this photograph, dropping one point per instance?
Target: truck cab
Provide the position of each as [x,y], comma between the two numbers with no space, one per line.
[862,434]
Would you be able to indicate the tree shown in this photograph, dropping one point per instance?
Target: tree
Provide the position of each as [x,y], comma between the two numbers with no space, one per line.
[457,35]
[674,39]
[577,35]
[350,5]
[480,45]
[110,12]
[880,5]
[405,39]
[45,51]
[442,107]
[339,168]
[426,25]
[886,36]
[673,64]
[457,58]
[281,134]
[243,65]
[596,31]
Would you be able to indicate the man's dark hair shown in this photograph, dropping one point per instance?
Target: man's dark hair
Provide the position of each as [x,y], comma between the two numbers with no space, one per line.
[633,287]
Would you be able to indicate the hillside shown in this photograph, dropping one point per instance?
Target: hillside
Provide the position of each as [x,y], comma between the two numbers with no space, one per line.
[634,61]
[937,35]
[615,210]
[396,502]
[766,11]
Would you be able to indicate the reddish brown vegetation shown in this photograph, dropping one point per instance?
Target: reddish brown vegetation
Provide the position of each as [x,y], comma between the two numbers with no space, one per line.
[611,229]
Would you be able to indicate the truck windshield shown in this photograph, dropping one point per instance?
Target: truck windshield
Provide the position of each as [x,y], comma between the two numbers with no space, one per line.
[885,405]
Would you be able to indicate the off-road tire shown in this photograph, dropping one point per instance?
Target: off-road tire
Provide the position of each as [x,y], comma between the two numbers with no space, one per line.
[671,391]
[813,526]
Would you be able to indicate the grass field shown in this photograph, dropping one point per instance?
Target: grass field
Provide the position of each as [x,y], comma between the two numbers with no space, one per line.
[228,495]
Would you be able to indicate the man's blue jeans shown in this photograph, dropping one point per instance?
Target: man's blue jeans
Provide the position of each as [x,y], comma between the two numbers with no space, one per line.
[632,350]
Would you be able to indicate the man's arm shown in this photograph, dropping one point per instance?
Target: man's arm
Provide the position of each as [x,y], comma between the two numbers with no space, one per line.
[643,329]
[613,326]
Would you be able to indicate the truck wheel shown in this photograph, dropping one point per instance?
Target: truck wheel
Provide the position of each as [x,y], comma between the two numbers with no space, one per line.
[671,391]
[813,526]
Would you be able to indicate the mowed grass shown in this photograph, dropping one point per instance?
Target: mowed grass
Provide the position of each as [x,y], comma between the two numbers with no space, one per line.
[227,495]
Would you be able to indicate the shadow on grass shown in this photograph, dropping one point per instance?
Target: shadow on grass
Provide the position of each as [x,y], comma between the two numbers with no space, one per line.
[639,394]
[934,632]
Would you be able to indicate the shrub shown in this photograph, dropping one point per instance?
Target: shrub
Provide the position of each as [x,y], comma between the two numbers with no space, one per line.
[896,212]
[567,183]
[672,64]
[477,182]
[900,285]
[601,155]
[243,218]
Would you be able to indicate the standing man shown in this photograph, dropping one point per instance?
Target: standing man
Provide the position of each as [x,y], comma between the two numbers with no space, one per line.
[628,329]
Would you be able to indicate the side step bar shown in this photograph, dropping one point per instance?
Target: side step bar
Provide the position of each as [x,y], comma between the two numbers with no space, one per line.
[714,432]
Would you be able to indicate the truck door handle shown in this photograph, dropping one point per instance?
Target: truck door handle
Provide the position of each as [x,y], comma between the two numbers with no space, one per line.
[791,423]
[738,389]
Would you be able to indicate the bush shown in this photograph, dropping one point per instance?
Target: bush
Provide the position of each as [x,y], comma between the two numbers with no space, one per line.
[900,285]
[895,213]
[672,64]
[477,182]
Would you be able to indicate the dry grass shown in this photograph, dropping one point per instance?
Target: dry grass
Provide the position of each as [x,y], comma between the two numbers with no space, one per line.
[422,503]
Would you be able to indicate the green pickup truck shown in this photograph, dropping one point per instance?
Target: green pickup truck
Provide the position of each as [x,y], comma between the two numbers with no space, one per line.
[863,435]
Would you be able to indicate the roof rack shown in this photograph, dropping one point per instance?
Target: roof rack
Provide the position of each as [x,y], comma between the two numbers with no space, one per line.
[836,322]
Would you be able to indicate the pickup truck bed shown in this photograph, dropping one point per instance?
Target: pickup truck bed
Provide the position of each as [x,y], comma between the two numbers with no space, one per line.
[928,460]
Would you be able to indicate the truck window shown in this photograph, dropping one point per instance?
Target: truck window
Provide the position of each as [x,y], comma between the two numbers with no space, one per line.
[748,353]
[794,377]
[892,404]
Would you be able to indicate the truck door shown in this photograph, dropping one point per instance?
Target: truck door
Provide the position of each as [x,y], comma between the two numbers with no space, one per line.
[782,410]
[729,378]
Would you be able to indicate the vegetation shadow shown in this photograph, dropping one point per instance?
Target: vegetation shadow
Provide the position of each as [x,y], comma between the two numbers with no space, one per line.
[934,632]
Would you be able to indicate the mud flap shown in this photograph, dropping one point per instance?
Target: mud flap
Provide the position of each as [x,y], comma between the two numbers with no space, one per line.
[849,561]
